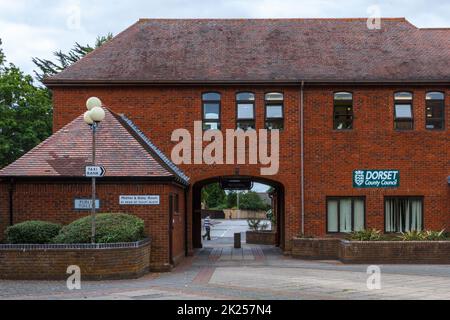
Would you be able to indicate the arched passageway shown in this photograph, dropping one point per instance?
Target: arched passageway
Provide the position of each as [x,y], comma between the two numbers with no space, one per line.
[241,182]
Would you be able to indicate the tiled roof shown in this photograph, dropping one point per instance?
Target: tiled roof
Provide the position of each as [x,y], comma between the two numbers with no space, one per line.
[68,151]
[266,50]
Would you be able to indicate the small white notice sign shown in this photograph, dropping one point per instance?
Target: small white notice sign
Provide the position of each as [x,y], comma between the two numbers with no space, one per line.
[86,204]
[140,200]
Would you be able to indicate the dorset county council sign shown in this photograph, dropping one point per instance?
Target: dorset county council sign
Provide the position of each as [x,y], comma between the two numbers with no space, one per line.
[376,178]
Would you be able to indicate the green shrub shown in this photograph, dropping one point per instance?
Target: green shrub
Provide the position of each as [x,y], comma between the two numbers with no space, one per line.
[110,228]
[423,236]
[366,235]
[32,232]
[435,235]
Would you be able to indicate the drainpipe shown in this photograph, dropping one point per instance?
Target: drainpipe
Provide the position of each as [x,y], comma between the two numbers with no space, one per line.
[302,154]
[11,198]
[186,235]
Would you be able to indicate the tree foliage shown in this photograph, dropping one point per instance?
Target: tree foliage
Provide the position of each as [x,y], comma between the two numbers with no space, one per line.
[25,113]
[252,201]
[48,68]
[214,196]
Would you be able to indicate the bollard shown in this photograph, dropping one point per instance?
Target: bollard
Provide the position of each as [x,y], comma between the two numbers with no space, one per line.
[237,240]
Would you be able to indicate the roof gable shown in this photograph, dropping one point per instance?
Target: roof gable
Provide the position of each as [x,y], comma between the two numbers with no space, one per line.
[69,151]
[272,50]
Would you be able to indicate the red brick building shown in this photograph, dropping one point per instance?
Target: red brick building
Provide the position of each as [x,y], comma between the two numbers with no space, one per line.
[364,113]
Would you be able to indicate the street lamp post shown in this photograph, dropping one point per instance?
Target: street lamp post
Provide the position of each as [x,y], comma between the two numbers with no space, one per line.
[93,117]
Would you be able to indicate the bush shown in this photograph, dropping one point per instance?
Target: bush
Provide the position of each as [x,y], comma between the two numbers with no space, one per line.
[110,228]
[32,232]
[423,236]
[366,235]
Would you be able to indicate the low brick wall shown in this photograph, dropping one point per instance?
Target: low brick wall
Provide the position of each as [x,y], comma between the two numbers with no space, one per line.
[319,249]
[261,237]
[373,252]
[429,252]
[97,262]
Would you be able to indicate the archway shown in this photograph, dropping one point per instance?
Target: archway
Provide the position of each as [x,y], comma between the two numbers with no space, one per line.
[241,181]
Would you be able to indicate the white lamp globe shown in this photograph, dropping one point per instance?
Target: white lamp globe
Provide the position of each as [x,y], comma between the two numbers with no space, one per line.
[87,118]
[93,102]
[97,114]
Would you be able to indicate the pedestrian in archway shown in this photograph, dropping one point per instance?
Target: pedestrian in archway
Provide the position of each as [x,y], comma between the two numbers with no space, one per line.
[207,225]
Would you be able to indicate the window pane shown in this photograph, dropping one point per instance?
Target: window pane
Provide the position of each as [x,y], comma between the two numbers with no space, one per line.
[245,96]
[403,111]
[435,96]
[358,207]
[211,110]
[275,124]
[343,122]
[404,125]
[211,126]
[435,124]
[332,216]
[245,111]
[274,97]
[211,96]
[403,96]
[274,111]
[246,125]
[403,214]
[343,96]
[345,207]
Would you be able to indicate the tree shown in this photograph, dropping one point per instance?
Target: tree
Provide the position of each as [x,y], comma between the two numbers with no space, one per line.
[49,68]
[214,196]
[251,201]
[232,200]
[25,113]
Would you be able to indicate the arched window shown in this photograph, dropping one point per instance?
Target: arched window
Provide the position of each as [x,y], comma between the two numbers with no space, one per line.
[343,111]
[435,111]
[245,110]
[211,102]
[274,110]
[403,111]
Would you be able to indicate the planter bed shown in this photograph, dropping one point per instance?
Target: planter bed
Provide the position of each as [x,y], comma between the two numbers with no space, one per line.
[261,237]
[373,252]
[97,262]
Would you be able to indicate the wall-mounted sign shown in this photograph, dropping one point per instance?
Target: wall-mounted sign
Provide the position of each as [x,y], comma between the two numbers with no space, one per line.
[95,172]
[140,200]
[85,204]
[376,179]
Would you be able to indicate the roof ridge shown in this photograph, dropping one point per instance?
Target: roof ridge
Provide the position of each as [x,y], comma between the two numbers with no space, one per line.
[154,149]
[266,19]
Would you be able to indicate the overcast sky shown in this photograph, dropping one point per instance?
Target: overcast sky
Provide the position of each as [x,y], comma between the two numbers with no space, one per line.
[36,28]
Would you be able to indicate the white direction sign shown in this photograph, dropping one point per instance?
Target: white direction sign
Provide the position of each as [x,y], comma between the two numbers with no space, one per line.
[95,172]
[86,204]
[140,200]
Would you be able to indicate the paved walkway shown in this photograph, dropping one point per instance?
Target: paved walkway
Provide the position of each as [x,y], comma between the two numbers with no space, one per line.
[253,272]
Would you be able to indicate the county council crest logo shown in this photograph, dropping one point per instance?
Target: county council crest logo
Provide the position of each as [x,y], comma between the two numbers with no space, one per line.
[359,178]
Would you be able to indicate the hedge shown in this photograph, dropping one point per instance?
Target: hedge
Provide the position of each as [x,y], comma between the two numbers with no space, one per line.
[110,228]
[32,232]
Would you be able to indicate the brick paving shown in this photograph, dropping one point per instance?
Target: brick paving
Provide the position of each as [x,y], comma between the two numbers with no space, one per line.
[253,272]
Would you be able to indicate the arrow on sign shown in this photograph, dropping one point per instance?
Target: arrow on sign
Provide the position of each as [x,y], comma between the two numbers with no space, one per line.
[95,172]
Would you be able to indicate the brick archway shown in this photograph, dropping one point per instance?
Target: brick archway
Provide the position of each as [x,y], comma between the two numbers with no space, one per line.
[196,206]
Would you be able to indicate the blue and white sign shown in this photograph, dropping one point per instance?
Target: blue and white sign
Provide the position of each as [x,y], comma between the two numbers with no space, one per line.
[376,179]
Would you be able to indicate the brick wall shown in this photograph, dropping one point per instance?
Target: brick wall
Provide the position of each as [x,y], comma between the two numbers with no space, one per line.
[261,237]
[54,202]
[330,157]
[43,263]
[373,252]
[316,248]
